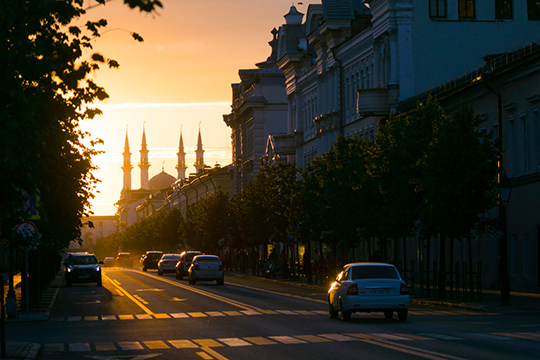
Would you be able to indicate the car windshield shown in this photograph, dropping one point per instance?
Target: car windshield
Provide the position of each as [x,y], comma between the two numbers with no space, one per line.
[154,256]
[83,260]
[171,257]
[374,272]
[209,259]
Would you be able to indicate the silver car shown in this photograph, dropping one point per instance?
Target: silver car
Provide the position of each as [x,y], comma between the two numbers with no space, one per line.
[167,263]
[206,267]
[369,287]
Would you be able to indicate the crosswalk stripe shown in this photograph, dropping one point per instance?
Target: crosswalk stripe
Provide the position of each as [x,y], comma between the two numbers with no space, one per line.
[362,336]
[215,313]
[207,342]
[162,316]
[305,312]
[287,340]
[232,313]
[312,338]
[74,318]
[250,312]
[391,337]
[234,342]
[179,315]
[269,312]
[108,317]
[183,344]
[156,344]
[197,314]
[415,337]
[259,340]
[143,316]
[338,337]
[91,318]
[442,337]
[287,312]
[130,345]
[126,317]
[105,346]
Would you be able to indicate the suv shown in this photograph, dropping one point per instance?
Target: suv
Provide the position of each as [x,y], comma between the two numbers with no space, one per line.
[151,260]
[82,268]
[184,263]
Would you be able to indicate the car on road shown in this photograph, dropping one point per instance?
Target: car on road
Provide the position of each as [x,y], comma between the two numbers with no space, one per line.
[206,268]
[108,261]
[82,268]
[150,260]
[124,259]
[182,266]
[167,263]
[368,287]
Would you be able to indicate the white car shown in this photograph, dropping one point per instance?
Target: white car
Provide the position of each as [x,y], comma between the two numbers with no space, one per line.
[206,267]
[167,263]
[368,287]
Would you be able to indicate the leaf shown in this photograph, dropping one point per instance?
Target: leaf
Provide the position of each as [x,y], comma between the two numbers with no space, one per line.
[137,37]
[98,57]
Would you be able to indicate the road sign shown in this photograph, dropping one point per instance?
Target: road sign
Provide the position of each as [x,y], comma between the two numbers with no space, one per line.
[27,229]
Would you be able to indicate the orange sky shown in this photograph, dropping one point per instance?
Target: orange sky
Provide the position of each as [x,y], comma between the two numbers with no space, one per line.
[179,78]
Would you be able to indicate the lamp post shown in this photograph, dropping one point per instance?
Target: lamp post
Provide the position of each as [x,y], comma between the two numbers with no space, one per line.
[504,197]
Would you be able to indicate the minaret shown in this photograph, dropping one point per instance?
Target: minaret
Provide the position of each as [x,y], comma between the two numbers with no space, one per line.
[199,153]
[127,167]
[181,166]
[144,164]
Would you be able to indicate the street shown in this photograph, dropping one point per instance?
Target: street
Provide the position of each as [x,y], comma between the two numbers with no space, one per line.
[140,315]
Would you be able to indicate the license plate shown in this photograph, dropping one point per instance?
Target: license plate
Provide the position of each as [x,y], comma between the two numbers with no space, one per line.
[379,291]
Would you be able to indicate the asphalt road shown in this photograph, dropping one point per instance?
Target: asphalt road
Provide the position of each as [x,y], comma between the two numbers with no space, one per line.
[140,315]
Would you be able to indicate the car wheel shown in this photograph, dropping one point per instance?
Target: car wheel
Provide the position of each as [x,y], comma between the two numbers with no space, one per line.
[193,281]
[402,314]
[68,283]
[332,312]
[345,314]
[388,314]
[178,275]
[160,273]
[220,282]
[100,282]
[144,269]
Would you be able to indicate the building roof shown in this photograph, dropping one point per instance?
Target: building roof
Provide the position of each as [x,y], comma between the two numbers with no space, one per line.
[161,181]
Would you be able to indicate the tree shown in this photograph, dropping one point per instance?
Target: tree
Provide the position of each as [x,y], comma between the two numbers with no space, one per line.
[46,92]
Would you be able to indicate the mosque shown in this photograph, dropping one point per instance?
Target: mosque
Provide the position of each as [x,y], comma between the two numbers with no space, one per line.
[140,203]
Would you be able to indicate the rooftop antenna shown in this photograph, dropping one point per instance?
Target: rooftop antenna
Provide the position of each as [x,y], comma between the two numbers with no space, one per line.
[163,166]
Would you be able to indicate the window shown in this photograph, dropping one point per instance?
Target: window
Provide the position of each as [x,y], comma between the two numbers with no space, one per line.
[437,8]
[466,9]
[533,9]
[503,9]
[523,145]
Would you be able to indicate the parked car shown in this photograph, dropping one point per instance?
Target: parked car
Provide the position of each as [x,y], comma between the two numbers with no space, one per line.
[183,264]
[82,268]
[108,261]
[150,260]
[207,268]
[368,287]
[167,263]
[124,259]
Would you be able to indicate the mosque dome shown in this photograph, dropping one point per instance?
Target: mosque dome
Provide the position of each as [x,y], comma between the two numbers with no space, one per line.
[161,181]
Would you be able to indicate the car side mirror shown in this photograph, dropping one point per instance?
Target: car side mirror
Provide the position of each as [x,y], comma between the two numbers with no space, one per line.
[100,263]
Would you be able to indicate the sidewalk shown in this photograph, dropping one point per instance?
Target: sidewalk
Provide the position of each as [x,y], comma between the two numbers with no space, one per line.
[23,350]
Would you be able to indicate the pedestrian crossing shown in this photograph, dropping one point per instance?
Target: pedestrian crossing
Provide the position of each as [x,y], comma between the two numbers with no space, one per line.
[206,314]
[197,343]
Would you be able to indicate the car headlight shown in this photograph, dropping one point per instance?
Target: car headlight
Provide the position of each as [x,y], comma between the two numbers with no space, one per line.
[97,268]
[69,269]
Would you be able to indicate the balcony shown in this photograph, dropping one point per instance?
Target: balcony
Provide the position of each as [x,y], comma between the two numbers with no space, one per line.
[373,102]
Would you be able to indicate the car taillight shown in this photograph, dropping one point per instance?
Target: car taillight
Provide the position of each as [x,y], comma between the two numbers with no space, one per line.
[403,289]
[353,290]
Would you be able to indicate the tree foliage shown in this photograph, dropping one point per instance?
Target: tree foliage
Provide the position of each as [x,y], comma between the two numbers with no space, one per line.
[46,92]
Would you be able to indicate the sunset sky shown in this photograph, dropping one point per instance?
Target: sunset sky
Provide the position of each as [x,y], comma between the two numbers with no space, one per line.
[178,79]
